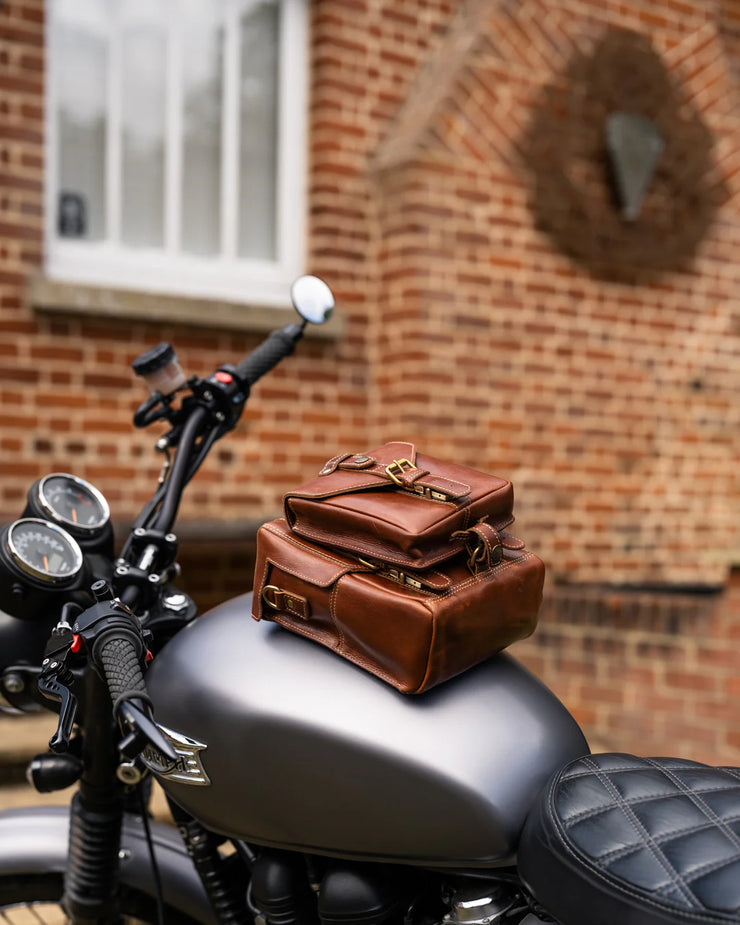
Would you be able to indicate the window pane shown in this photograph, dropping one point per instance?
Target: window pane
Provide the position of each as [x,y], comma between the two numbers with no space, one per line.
[258,129]
[202,88]
[81,39]
[143,50]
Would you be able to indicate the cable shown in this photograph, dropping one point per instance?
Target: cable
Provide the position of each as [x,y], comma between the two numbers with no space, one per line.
[152,857]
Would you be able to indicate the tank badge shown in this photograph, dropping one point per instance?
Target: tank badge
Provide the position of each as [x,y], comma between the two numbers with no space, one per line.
[188,769]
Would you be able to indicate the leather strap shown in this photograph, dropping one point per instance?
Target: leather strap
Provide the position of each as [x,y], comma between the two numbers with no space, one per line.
[277,599]
[484,546]
[350,461]
[404,473]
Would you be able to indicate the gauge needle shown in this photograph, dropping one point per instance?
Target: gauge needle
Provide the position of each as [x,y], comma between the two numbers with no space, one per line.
[74,514]
[46,563]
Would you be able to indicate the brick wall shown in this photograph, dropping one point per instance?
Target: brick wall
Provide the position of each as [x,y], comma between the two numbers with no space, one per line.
[645,673]
[497,310]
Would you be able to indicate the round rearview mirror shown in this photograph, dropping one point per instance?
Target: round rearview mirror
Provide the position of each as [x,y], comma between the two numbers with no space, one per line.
[312,299]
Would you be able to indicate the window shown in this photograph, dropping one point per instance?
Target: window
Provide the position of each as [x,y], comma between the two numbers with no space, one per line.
[176,132]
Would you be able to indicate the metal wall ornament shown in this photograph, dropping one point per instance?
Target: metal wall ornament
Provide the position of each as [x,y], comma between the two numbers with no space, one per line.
[635,204]
[634,145]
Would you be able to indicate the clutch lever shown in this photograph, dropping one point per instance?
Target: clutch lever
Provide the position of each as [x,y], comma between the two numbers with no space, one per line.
[53,688]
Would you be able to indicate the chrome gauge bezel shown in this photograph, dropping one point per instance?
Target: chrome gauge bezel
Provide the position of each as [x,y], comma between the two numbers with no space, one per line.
[48,510]
[28,568]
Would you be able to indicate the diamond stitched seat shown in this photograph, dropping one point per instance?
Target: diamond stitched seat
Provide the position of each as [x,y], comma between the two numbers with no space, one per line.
[641,841]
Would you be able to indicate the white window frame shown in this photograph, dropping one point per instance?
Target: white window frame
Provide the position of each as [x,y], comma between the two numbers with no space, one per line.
[110,264]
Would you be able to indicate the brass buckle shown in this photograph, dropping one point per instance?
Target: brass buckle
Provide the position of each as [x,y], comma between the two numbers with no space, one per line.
[267,599]
[398,465]
[492,556]
[286,602]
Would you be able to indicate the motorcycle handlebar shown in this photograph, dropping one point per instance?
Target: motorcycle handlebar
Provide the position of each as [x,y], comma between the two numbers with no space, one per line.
[118,653]
[270,352]
[119,656]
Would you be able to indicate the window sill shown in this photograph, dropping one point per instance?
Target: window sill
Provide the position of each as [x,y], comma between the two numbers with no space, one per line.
[50,295]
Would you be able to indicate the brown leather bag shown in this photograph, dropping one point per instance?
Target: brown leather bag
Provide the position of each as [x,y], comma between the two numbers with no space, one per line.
[394,505]
[473,590]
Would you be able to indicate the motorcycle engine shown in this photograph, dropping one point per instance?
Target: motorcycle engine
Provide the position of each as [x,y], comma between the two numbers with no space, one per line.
[483,904]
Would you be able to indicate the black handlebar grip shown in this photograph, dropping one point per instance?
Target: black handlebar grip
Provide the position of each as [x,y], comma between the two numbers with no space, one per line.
[119,657]
[270,352]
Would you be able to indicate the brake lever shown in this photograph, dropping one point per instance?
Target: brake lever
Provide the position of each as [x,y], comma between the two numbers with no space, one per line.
[142,732]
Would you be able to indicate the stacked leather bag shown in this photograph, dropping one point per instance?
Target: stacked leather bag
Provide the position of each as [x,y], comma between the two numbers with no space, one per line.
[400,563]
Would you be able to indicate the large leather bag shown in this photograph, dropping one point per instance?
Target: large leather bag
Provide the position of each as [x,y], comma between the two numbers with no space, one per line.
[415,577]
[413,637]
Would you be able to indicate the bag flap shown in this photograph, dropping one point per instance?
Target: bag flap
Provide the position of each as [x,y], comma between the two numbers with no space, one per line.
[290,554]
[391,466]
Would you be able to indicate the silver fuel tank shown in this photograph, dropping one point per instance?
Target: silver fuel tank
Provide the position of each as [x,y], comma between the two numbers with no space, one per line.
[302,750]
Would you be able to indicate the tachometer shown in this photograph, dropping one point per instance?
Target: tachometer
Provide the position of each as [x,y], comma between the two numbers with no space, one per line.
[70,501]
[43,551]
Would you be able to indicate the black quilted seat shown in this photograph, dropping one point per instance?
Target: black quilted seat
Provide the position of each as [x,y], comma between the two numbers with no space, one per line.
[619,840]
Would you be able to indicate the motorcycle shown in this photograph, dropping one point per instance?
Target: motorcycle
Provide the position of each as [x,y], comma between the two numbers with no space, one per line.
[305,790]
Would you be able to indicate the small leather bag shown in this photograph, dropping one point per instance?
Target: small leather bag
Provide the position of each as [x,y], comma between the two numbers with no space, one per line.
[413,587]
[394,505]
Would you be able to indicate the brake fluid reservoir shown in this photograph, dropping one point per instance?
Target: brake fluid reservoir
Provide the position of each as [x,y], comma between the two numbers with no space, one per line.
[160,369]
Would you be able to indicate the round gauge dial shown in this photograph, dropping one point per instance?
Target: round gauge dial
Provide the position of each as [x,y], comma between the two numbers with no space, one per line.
[43,550]
[72,502]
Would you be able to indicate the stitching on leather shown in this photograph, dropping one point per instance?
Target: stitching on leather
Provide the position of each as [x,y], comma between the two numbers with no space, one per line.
[661,840]
[610,882]
[320,636]
[295,572]
[698,802]
[364,486]
[487,574]
[672,874]
[652,798]
[619,886]
[455,505]
[371,549]
[329,537]
[710,868]
[332,612]
[315,552]
[265,573]
[694,768]
[714,822]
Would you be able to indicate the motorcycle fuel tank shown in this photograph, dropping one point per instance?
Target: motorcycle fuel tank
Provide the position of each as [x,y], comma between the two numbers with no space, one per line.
[294,747]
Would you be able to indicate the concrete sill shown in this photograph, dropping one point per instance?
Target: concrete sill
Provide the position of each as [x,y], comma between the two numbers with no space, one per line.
[49,295]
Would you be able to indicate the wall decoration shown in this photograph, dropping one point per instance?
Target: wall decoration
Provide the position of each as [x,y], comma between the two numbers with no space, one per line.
[574,180]
[634,146]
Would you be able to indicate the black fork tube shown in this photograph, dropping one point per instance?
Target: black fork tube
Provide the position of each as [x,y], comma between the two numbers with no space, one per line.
[96,817]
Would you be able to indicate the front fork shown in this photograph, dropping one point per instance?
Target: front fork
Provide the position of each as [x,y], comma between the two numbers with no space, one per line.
[96,817]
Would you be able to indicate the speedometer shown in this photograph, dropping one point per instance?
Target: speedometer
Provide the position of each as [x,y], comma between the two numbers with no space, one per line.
[43,551]
[70,501]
